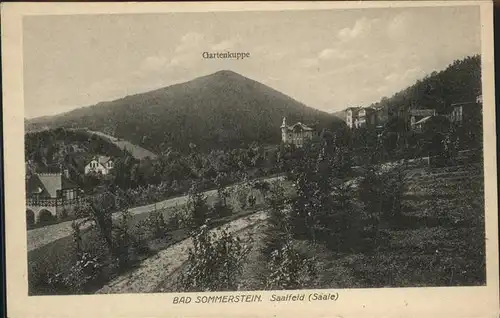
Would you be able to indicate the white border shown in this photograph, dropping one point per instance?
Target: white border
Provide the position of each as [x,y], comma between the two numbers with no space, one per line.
[390,302]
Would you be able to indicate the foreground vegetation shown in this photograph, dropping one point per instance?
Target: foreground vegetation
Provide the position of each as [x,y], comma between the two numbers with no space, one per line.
[437,239]
[398,224]
[112,246]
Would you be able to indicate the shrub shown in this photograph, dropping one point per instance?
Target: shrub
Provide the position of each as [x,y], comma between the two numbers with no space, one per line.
[122,240]
[86,270]
[221,210]
[153,227]
[279,221]
[251,200]
[288,269]
[80,276]
[77,238]
[156,225]
[197,206]
[382,192]
[339,224]
[214,262]
[63,215]
[240,195]
[221,182]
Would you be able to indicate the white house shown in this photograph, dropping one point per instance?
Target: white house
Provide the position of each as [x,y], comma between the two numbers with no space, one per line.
[296,134]
[357,117]
[352,116]
[100,165]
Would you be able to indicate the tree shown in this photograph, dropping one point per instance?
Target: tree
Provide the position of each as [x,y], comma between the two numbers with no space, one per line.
[221,182]
[122,239]
[382,194]
[197,206]
[288,269]
[214,262]
[98,210]
[279,224]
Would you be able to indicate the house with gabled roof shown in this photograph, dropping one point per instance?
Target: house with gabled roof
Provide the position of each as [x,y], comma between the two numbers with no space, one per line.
[100,165]
[367,117]
[50,195]
[297,133]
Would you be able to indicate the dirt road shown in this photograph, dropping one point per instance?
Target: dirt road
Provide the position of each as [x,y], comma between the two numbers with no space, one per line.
[45,235]
[156,269]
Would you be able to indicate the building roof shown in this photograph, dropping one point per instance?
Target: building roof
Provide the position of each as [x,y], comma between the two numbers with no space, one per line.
[100,159]
[355,110]
[300,127]
[47,184]
[423,120]
[103,159]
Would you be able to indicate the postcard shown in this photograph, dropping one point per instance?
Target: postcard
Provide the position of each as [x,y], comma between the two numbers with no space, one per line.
[259,159]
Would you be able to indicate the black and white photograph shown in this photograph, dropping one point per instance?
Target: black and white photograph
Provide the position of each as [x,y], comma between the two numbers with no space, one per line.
[240,151]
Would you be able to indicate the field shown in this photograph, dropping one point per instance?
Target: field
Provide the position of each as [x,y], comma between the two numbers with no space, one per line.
[135,151]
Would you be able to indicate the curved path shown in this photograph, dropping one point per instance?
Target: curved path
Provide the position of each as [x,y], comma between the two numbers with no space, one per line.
[156,269]
[45,235]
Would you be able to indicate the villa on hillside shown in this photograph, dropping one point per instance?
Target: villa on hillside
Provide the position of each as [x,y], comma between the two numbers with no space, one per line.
[462,114]
[50,195]
[418,117]
[296,134]
[365,117]
[100,165]
[465,113]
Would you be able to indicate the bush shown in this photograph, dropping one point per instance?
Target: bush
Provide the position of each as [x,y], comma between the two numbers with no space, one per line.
[221,210]
[156,225]
[382,193]
[339,225]
[288,269]
[197,207]
[153,227]
[79,277]
[279,221]
[63,215]
[240,195]
[214,263]
[122,239]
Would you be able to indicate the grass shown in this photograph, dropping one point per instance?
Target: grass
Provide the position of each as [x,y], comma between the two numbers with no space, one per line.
[438,242]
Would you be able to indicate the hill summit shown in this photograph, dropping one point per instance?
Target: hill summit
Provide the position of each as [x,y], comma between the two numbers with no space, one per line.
[220,110]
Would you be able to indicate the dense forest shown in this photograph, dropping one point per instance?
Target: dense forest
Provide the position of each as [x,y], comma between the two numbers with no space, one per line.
[220,111]
[459,82]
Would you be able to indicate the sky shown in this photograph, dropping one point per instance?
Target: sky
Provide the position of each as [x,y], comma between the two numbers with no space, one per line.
[329,59]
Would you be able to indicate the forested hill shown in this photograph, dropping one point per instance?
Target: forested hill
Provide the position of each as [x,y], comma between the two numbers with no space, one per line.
[459,82]
[221,110]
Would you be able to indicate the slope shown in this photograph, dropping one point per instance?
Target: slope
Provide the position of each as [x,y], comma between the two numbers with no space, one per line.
[221,110]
